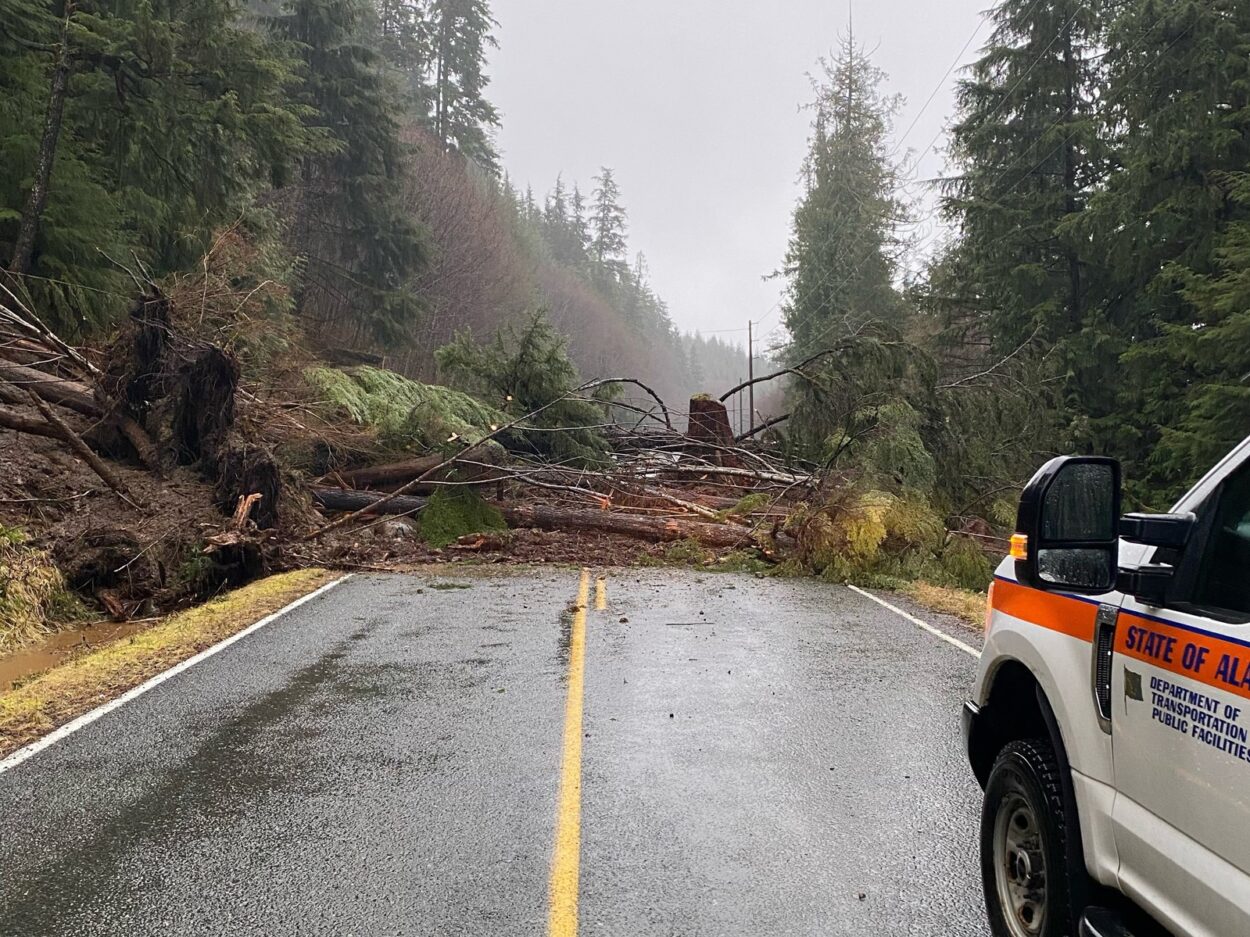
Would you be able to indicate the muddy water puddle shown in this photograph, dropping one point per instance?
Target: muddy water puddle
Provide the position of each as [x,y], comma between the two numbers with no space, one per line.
[18,667]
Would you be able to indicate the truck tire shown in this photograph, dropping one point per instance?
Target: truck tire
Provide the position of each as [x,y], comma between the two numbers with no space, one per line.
[1024,844]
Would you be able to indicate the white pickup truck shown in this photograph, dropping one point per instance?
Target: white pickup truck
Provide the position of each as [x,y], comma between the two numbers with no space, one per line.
[1110,720]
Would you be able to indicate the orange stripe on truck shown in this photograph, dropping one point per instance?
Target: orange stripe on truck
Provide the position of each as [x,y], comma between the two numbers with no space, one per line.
[1060,613]
[1186,652]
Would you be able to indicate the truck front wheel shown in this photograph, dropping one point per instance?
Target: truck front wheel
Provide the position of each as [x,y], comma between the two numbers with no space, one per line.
[1024,844]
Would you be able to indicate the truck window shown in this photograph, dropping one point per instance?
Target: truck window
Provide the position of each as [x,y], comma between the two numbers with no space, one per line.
[1224,578]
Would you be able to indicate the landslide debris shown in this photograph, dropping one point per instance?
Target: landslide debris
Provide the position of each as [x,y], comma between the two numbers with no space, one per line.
[206,444]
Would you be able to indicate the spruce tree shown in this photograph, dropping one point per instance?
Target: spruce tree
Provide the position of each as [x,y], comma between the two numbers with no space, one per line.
[1171,224]
[463,119]
[360,246]
[841,265]
[406,42]
[131,128]
[1028,155]
[579,225]
[843,250]
[607,230]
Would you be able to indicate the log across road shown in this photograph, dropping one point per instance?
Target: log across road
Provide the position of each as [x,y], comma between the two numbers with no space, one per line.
[519,753]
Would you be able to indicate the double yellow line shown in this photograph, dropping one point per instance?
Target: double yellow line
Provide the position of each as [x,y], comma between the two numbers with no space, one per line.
[566,859]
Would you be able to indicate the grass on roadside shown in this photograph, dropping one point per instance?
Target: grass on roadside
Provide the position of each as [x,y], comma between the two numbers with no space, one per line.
[71,689]
[962,603]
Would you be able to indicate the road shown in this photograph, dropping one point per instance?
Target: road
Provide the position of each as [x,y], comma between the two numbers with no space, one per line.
[706,755]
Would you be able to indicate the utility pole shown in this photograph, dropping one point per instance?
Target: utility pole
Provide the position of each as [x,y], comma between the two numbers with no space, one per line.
[738,404]
[751,372]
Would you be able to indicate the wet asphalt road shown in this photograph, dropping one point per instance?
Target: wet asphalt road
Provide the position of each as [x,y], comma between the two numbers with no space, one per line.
[760,757]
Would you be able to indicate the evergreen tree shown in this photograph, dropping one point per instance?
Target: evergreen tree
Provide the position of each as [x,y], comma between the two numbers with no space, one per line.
[841,264]
[1029,155]
[577,221]
[528,369]
[607,229]
[843,250]
[1214,351]
[1171,223]
[463,119]
[406,41]
[359,245]
[132,127]
[556,210]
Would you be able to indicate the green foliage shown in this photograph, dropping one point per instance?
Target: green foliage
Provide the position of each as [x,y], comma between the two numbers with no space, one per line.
[1029,154]
[746,505]
[856,536]
[842,304]
[405,413]
[463,119]
[528,371]
[877,538]
[173,119]
[351,229]
[965,564]
[689,552]
[843,249]
[1101,208]
[453,513]
[607,228]
[885,447]
[1167,224]
[34,598]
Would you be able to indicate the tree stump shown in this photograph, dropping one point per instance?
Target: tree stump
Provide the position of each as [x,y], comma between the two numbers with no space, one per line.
[250,470]
[204,412]
[709,432]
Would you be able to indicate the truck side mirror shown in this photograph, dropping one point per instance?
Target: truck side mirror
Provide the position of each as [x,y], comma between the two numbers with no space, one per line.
[1067,527]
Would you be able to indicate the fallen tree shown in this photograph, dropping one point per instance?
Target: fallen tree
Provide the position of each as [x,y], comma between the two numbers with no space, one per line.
[472,468]
[365,502]
[654,529]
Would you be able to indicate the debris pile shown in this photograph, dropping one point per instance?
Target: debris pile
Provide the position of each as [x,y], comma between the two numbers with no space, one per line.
[166,466]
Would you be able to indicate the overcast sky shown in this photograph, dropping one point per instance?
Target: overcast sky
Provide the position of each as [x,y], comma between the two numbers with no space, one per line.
[695,104]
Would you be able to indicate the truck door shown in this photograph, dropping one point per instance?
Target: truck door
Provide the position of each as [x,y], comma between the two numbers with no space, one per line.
[1180,719]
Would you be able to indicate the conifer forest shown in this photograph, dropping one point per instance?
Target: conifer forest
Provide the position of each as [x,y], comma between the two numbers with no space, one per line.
[274,246]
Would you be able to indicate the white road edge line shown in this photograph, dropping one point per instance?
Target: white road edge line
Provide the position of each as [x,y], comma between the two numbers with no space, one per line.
[34,748]
[938,632]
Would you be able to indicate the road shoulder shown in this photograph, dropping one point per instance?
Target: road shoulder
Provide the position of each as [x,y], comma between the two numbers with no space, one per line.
[66,692]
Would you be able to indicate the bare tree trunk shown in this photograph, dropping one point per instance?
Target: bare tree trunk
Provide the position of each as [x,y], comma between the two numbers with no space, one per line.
[655,529]
[1070,184]
[84,452]
[341,499]
[11,419]
[37,199]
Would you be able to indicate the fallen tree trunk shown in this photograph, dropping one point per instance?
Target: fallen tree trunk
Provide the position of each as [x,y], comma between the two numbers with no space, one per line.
[75,442]
[774,478]
[654,529]
[78,397]
[393,473]
[24,424]
[767,424]
[52,389]
[341,499]
[399,473]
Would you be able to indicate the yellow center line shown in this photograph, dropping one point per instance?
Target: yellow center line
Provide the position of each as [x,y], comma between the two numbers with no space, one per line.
[566,858]
[601,593]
